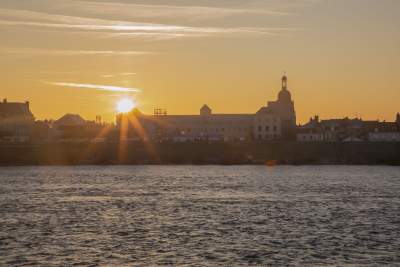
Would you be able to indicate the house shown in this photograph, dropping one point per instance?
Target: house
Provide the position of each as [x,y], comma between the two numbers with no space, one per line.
[348,130]
[16,122]
[70,126]
[386,131]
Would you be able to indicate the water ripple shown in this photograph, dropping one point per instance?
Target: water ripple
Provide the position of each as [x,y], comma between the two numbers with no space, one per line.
[199,216]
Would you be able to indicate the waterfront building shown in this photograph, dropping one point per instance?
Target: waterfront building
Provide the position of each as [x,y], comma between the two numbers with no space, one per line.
[348,130]
[311,131]
[333,130]
[386,131]
[276,121]
[16,122]
[41,130]
[74,127]
[384,137]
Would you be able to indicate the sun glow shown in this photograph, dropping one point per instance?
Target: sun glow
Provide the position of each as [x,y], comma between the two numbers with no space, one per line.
[125,105]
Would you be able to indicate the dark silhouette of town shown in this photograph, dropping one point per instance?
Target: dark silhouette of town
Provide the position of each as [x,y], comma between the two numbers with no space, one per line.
[270,136]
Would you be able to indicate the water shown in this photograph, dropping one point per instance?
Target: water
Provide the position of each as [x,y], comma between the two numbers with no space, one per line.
[199,215]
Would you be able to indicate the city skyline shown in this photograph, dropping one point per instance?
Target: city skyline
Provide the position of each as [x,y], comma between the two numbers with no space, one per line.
[84,56]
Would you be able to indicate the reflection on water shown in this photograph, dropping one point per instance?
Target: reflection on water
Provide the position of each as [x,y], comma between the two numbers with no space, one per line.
[209,215]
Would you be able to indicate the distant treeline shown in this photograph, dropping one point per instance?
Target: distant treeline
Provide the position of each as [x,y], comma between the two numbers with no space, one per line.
[86,153]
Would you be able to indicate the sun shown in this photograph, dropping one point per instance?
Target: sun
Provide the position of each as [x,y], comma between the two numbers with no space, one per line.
[125,105]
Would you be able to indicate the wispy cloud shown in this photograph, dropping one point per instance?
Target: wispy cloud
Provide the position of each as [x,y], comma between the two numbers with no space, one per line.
[97,87]
[35,51]
[24,18]
[118,74]
[191,12]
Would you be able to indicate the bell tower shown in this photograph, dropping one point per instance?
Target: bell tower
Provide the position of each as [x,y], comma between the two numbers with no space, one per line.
[285,108]
[284,81]
[284,95]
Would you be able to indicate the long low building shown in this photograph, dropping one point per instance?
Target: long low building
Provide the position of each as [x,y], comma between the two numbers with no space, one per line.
[277,120]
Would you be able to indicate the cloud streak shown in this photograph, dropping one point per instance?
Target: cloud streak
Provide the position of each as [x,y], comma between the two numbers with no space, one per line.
[98,87]
[34,51]
[118,74]
[24,18]
[166,11]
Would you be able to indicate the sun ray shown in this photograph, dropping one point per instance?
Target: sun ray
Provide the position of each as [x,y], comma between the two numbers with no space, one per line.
[142,134]
[123,135]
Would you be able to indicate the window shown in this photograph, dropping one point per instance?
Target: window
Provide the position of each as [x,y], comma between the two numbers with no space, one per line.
[275,128]
[259,128]
[267,128]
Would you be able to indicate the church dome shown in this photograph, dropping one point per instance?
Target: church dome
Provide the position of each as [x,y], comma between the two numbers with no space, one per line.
[284,95]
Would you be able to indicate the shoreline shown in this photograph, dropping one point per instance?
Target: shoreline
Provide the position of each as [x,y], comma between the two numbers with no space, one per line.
[201,153]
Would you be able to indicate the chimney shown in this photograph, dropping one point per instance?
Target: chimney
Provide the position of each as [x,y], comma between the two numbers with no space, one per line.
[27,104]
[5,100]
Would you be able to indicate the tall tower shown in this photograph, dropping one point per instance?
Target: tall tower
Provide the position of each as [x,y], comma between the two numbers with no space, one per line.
[284,82]
[285,107]
[284,95]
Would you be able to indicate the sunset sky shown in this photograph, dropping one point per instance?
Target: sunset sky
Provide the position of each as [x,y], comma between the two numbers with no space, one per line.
[342,57]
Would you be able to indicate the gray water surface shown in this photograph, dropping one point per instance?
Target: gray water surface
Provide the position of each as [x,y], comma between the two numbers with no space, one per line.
[199,216]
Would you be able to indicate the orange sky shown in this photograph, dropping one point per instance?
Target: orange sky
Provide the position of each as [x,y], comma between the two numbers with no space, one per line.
[342,57]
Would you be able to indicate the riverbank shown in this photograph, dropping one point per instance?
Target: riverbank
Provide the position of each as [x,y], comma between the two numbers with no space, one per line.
[85,153]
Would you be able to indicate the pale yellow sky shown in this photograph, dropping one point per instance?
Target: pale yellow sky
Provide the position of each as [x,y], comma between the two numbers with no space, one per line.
[68,56]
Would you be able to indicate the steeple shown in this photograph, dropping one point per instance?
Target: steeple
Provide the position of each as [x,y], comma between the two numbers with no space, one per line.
[284,95]
[284,81]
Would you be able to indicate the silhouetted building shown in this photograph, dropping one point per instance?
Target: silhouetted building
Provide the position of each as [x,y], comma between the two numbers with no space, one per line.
[74,127]
[333,130]
[275,121]
[386,131]
[347,130]
[42,130]
[179,128]
[311,131]
[278,119]
[16,122]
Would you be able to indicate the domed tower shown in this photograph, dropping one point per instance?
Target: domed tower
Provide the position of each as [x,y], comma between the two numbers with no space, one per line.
[285,107]
[284,95]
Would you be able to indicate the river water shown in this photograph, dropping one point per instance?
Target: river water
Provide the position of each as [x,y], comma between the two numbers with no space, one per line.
[199,216]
